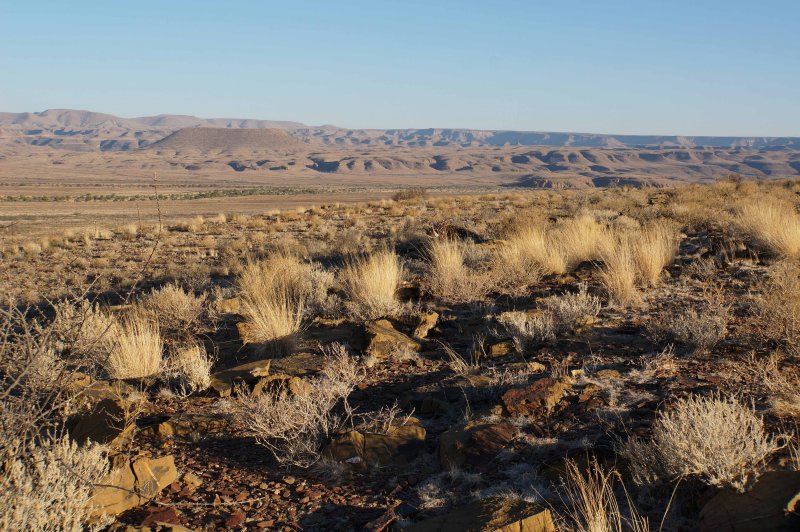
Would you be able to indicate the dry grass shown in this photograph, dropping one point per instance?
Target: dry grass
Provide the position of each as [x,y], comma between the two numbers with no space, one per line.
[771,225]
[655,248]
[273,295]
[371,284]
[592,503]
[136,350]
[450,279]
[530,252]
[619,273]
[717,440]
[581,239]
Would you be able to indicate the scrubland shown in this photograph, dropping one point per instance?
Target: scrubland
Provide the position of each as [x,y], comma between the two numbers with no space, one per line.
[619,359]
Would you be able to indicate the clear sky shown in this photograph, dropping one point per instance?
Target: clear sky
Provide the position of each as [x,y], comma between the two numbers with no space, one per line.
[701,67]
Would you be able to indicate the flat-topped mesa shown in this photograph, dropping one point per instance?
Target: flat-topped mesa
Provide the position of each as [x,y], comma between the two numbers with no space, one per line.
[225,139]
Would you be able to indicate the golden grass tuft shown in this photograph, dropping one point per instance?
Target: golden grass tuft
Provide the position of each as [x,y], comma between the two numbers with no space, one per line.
[619,273]
[771,225]
[371,284]
[273,302]
[136,350]
[450,279]
[654,249]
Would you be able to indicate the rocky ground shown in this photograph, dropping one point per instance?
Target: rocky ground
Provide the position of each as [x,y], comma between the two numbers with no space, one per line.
[454,422]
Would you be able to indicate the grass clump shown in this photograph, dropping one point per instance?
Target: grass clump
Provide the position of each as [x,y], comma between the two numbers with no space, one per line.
[771,225]
[450,278]
[371,285]
[136,350]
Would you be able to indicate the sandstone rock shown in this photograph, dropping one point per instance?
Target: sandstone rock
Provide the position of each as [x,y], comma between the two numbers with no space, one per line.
[281,384]
[499,348]
[399,446]
[192,480]
[107,423]
[424,322]
[383,340]
[538,397]
[133,483]
[474,444]
[773,503]
[223,382]
[188,424]
[229,306]
[608,373]
[495,514]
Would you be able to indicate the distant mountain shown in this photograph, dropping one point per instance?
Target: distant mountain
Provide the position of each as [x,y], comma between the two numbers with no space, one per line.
[89,131]
[204,139]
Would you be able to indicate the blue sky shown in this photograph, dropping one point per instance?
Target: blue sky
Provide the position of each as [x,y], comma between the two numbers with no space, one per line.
[702,67]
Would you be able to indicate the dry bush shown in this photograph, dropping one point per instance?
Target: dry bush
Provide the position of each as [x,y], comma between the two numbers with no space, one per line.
[135,350]
[410,193]
[572,310]
[771,225]
[371,284]
[82,330]
[655,248]
[294,426]
[450,278]
[700,326]
[47,486]
[592,504]
[178,313]
[619,273]
[192,366]
[192,226]
[715,439]
[528,329]
[46,479]
[777,307]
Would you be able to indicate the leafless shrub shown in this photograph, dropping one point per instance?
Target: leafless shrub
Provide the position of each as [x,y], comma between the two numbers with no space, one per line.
[715,439]
[177,312]
[700,326]
[81,329]
[528,329]
[192,365]
[572,310]
[777,307]
[47,486]
[293,427]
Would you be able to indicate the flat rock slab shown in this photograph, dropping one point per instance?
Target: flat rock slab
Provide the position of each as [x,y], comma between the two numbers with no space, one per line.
[495,514]
[133,483]
[224,381]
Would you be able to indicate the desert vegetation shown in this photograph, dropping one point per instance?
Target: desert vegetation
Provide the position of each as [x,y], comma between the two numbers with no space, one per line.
[619,359]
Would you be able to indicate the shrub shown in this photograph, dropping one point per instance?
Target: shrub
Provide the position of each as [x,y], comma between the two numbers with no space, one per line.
[192,365]
[777,307]
[136,350]
[701,326]
[294,426]
[572,310]
[83,330]
[48,486]
[771,225]
[528,329]
[717,440]
[371,284]
[177,312]
[410,193]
